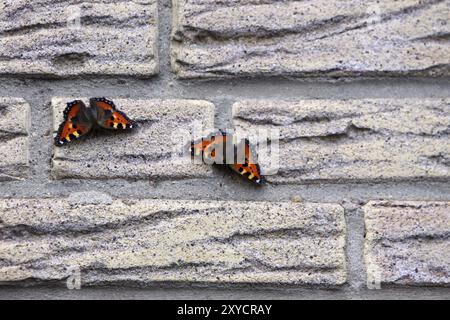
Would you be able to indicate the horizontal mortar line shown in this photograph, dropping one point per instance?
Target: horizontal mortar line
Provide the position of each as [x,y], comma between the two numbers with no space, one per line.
[297,94]
[364,186]
[227,285]
[238,83]
[346,181]
[187,290]
[340,198]
[323,183]
[292,97]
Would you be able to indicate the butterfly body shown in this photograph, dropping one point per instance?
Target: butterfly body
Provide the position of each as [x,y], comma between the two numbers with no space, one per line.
[79,119]
[223,148]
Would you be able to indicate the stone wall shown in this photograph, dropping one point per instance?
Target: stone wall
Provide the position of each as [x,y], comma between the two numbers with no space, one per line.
[359,92]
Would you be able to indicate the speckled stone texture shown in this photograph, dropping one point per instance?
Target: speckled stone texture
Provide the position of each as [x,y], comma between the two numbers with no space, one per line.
[310,38]
[145,152]
[147,241]
[407,243]
[353,139]
[66,38]
[14,139]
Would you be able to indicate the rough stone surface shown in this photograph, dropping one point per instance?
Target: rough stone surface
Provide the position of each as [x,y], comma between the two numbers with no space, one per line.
[311,38]
[143,153]
[65,38]
[14,138]
[147,241]
[353,139]
[407,243]
[223,185]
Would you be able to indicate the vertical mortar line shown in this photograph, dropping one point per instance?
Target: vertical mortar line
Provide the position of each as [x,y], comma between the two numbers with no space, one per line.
[223,113]
[356,271]
[41,135]
[164,40]
[39,146]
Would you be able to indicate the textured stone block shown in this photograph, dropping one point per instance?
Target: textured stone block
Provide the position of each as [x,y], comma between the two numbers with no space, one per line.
[353,139]
[146,152]
[14,144]
[148,241]
[311,38]
[67,38]
[407,243]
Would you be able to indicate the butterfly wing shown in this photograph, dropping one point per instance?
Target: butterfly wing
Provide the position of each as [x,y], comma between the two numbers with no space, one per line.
[208,147]
[199,146]
[107,115]
[249,168]
[75,125]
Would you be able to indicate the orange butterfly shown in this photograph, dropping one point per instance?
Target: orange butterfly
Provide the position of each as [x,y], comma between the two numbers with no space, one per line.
[215,148]
[79,120]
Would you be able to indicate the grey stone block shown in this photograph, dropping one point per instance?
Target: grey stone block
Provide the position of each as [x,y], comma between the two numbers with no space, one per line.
[150,241]
[311,38]
[353,139]
[67,38]
[144,153]
[14,138]
[407,243]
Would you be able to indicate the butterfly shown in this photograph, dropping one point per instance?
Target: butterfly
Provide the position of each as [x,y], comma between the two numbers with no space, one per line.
[222,148]
[79,119]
